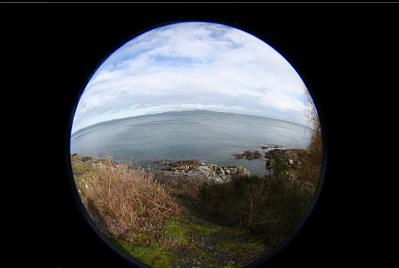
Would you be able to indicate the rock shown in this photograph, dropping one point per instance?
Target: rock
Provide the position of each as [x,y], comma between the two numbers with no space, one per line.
[249,155]
[241,171]
[215,179]
[211,172]
[290,157]
[187,163]
[162,162]
[213,167]
[271,153]
[202,170]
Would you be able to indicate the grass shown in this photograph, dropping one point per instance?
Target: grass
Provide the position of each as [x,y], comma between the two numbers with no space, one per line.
[153,254]
[184,244]
[178,231]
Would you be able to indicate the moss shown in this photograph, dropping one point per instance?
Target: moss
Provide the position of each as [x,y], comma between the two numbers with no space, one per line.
[209,246]
[205,230]
[182,230]
[231,245]
[153,254]
[256,246]
[142,239]
[83,171]
[85,174]
[206,258]
[242,250]
[80,168]
[177,230]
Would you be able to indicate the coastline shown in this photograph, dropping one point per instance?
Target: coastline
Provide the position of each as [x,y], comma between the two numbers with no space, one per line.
[192,213]
[212,172]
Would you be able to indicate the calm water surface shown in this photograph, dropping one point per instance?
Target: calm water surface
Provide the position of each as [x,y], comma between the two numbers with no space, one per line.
[210,137]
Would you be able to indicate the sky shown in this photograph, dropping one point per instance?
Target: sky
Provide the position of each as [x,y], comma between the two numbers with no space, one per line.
[193,66]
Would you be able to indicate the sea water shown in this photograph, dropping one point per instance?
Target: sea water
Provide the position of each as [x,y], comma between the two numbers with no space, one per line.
[210,137]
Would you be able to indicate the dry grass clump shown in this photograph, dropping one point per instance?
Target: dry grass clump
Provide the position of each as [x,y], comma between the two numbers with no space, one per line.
[122,201]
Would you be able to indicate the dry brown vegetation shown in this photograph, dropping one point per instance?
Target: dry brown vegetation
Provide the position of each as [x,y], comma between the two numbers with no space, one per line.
[310,169]
[141,215]
[123,200]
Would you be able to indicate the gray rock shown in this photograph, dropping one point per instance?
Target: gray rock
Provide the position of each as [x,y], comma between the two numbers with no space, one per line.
[249,155]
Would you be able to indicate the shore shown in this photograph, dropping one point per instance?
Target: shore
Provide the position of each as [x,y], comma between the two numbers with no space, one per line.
[183,239]
[195,213]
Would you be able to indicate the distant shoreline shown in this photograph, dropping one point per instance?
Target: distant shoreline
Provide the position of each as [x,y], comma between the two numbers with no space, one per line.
[184,112]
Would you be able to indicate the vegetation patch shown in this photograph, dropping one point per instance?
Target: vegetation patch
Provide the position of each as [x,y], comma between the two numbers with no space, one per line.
[153,254]
[164,219]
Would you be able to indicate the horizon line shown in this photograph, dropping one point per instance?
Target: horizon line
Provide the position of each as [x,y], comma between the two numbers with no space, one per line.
[200,110]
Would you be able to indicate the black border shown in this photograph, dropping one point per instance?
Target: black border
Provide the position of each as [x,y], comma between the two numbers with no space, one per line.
[343,52]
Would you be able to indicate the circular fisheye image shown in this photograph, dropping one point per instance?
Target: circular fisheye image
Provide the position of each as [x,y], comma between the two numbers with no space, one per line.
[196,145]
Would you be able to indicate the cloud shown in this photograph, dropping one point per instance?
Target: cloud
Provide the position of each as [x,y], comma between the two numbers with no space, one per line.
[188,66]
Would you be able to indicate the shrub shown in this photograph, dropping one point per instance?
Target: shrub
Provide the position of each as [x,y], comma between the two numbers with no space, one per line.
[271,207]
[124,200]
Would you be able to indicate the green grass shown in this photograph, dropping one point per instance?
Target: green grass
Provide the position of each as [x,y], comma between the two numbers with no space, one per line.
[202,245]
[153,254]
[178,231]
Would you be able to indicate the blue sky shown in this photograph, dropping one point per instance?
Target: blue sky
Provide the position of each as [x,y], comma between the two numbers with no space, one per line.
[191,66]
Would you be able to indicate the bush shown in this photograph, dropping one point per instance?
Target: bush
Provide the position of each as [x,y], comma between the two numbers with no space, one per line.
[123,200]
[271,207]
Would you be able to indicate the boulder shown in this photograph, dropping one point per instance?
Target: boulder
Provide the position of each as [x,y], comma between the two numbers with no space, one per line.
[242,171]
[211,172]
[249,155]
[271,153]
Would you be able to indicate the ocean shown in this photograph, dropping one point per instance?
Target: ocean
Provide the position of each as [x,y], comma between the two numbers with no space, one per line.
[210,137]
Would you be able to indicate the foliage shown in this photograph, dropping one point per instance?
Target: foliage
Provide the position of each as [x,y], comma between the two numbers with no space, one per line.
[125,200]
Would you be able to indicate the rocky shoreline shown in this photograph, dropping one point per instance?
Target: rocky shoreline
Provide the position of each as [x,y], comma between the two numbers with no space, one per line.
[215,201]
[261,153]
[187,168]
[212,173]
[289,159]
[222,174]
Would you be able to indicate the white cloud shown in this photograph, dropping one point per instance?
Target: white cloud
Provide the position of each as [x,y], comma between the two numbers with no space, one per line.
[189,66]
